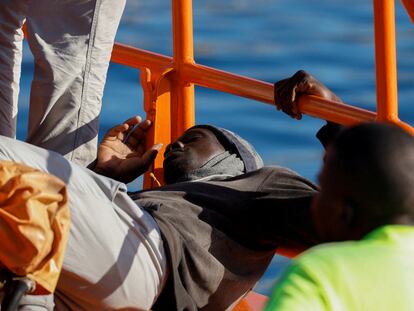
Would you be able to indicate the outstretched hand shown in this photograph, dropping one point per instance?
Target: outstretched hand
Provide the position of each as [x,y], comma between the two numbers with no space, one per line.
[288,91]
[122,155]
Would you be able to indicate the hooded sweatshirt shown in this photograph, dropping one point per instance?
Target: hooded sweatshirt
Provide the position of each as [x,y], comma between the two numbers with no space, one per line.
[223,222]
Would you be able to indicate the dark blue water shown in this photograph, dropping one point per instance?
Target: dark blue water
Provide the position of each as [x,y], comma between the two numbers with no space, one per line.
[266,40]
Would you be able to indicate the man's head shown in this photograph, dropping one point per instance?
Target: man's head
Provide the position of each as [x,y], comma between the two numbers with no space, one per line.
[367,181]
[205,150]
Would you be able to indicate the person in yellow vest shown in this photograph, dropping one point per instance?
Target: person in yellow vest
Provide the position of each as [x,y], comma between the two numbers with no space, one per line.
[366,203]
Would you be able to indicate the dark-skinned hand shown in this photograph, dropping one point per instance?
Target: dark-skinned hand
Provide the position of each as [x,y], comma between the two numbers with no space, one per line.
[288,91]
[122,155]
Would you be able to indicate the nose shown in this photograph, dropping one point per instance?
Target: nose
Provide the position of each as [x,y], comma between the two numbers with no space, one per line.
[177,145]
[173,146]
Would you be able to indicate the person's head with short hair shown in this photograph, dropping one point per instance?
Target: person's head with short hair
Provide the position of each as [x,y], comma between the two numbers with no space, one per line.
[367,181]
[205,152]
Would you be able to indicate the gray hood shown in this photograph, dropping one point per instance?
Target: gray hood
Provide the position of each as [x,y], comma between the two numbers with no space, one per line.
[240,157]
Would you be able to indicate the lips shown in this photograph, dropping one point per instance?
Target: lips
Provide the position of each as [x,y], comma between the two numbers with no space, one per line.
[172,154]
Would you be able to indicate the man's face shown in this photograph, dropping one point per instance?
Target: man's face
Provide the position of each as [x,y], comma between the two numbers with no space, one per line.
[328,209]
[189,152]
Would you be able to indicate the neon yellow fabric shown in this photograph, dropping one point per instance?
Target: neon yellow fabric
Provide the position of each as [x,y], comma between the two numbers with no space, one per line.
[376,273]
[34,224]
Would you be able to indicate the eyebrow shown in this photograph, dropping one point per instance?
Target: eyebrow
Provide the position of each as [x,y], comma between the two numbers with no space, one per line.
[195,131]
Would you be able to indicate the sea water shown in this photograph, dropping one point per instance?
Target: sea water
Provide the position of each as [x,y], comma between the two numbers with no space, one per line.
[266,40]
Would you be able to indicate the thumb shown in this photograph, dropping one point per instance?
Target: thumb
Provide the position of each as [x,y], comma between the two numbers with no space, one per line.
[149,156]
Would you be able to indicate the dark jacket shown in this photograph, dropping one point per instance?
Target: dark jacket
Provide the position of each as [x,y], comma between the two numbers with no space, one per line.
[221,235]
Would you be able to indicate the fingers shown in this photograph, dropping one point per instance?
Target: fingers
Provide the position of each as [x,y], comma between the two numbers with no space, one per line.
[157,147]
[288,91]
[278,87]
[150,155]
[117,131]
[133,121]
[147,158]
[285,98]
[294,108]
[137,134]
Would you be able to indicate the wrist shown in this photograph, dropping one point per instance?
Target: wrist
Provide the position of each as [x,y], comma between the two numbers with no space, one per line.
[92,165]
[102,170]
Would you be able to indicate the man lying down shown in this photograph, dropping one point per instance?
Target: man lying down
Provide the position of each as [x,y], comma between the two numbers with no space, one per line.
[201,242]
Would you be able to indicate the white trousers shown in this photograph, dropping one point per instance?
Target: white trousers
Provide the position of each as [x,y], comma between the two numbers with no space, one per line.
[71,41]
[115,255]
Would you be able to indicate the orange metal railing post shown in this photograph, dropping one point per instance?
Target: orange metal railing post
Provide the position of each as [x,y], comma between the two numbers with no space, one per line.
[156,86]
[182,97]
[385,59]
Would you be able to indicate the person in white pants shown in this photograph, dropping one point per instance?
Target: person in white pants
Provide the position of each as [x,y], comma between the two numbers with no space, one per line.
[71,42]
[115,257]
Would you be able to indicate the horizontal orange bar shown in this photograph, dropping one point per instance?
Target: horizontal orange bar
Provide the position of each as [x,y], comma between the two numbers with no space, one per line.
[243,86]
[334,111]
[138,58]
[228,82]
[263,91]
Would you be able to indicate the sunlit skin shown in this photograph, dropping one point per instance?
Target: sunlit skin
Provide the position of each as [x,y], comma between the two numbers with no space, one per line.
[189,152]
[126,160]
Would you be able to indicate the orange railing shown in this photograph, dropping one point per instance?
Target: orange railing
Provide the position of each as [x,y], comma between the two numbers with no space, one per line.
[168,85]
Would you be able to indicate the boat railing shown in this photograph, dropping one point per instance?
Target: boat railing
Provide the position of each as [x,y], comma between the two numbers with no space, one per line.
[168,82]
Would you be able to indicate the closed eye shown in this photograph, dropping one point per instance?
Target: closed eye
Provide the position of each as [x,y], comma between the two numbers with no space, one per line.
[191,139]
